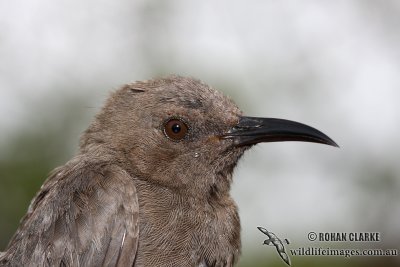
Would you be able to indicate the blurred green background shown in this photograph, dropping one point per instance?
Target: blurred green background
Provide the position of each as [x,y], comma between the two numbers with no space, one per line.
[334,65]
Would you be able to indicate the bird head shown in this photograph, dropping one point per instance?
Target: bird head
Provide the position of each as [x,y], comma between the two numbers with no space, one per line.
[182,134]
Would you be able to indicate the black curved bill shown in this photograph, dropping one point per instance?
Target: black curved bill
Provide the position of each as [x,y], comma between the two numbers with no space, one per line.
[252,130]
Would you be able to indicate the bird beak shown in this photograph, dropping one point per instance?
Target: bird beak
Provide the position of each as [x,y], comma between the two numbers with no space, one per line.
[252,130]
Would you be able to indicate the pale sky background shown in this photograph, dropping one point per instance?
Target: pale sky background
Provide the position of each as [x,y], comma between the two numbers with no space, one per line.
[334,65]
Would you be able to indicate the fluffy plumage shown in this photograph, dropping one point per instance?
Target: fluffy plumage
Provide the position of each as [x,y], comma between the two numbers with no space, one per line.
[137,196]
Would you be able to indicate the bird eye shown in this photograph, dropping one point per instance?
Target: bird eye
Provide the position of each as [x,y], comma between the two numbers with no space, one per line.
[175,129]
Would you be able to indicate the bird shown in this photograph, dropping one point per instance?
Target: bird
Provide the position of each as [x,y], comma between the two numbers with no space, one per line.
[150,183]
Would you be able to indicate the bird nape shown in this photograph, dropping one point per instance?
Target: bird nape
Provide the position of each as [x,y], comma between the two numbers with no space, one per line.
[150,184]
